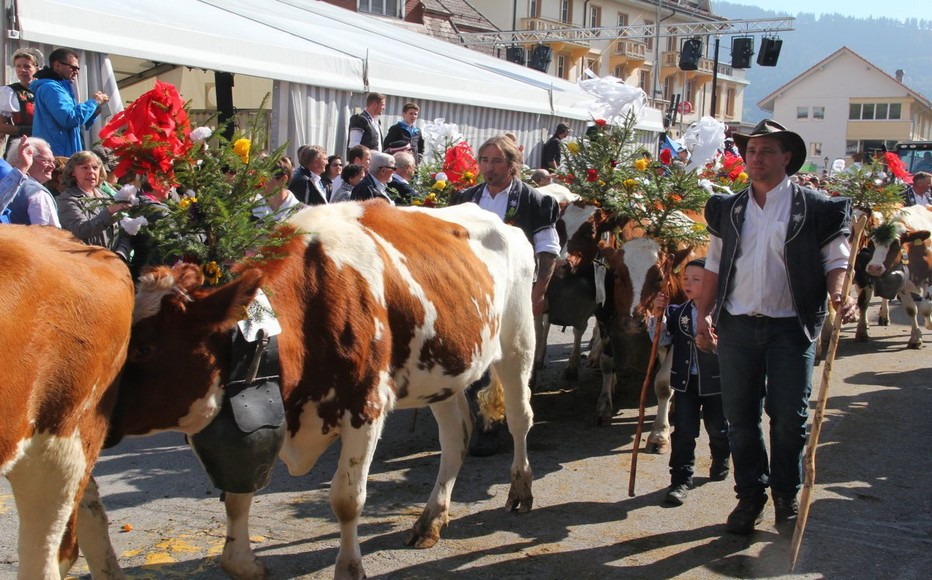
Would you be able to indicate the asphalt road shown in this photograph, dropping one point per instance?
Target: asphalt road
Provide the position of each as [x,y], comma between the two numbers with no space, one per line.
[871,513]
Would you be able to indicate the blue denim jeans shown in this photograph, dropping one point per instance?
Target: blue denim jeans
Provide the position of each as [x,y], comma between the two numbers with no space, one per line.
[688,409]
[766,363]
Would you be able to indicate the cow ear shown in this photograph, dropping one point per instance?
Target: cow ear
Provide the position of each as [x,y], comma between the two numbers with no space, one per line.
[920,236]
[227,304]
[681,256]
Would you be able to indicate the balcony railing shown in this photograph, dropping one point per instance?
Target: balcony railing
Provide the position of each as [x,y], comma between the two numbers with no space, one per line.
[671,59]
[633,49]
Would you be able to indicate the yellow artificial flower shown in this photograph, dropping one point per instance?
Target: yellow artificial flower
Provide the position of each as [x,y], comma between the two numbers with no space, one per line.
[440,185]
[742,177]
[573,147]
[630,183]
[241,147]
[640,164]
[212,272]
[186,202]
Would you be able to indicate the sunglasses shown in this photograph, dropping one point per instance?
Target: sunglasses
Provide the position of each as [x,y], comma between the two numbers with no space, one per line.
[71,66]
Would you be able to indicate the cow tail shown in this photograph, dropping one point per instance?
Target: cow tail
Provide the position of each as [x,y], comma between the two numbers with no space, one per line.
[492,399]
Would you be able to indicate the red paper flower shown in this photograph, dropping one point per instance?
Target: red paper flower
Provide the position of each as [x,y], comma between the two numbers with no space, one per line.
[147,136]
[592,175]
[666,156]
[600,122]
[897,167]
[460,165]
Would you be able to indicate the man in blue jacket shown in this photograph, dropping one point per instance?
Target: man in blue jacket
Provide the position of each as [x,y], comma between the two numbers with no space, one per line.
[58,116]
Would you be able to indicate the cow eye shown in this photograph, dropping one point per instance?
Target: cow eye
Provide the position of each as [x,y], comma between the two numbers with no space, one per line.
[138,353]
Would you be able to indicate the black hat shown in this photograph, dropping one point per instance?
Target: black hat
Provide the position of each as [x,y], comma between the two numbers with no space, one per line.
[770,128]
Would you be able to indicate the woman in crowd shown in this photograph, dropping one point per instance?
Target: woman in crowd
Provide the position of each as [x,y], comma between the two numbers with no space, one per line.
[351,175]
[83,209]
[16,100]
[333,170]
[279,200]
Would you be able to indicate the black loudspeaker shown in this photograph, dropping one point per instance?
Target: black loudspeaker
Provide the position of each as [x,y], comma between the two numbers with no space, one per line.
[516,54]
[769,51]
[540,57]
[689,57]
[742,49]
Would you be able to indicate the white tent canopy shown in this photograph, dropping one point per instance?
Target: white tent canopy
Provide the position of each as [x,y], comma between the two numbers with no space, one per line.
[323,58]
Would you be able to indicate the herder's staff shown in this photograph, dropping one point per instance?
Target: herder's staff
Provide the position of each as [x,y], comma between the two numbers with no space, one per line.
[665,285]
[819,415]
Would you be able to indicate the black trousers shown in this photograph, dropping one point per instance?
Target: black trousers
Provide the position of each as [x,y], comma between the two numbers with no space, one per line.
[688,409]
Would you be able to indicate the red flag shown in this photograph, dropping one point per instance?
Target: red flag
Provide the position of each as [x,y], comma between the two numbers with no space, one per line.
[897,167]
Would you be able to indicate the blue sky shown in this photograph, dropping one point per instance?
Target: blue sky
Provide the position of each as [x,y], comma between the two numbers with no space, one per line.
[897,9]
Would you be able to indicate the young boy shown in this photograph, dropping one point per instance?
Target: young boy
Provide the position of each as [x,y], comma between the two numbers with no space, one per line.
[695,379]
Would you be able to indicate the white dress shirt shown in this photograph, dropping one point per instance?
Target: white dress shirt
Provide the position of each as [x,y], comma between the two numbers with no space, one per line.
[545,240]
[761,283]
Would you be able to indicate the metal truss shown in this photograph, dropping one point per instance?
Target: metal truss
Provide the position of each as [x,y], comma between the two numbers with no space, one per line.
[582,35]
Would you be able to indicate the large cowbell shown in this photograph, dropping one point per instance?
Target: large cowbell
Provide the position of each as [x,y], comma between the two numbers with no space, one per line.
[238,449]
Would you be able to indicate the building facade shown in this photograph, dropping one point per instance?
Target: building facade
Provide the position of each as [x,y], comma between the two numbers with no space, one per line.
[845,104]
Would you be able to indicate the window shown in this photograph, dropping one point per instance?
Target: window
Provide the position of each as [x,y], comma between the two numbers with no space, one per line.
[875,111]
[644,81]
[815,149]
[381,7]
[595,16]
[730,96]
[533,9]
[566,11]
[818,113]
[649,41]
[668,88]
[593,65]
[690,91]
[802,112]
[622,19]
[561,66]
[620,72]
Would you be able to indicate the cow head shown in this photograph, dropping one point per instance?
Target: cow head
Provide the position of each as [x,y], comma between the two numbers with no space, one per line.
[638,268]
[179,351]
[582,245]
[885,247]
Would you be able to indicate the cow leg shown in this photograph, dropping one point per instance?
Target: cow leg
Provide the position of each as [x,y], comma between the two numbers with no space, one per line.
[595,348]
[455,426]
[512,371]
[348,492]
[572,367]
[604,408]
[659,439]
[46,484]
[238,560]
[541,331]
[884,317]
[915,336]
[864,300]
[93,535]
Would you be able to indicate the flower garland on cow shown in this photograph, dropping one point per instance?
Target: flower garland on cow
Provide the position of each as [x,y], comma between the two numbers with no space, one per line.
[214,223]
[608,169]
[870,188]
[448,164]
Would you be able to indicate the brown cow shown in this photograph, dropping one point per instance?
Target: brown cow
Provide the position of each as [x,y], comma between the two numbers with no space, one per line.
[67,311]
[379,308]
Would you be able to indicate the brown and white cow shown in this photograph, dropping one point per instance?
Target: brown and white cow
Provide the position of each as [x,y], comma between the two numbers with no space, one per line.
[64,334]
[636,269]
[380,308]
[909,229]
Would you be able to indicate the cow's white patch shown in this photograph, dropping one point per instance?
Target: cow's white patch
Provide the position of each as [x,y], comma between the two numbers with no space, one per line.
[18,453]
[302,450]
[573,218]
[202,411]
[152,289]
[641,255]
[45,485]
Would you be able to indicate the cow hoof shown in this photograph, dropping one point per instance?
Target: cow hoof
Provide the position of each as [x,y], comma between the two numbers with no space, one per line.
[883,322]
[860,338]
[656,447]
[914,345]
[258,571]
[571,374]
[426,530]
[420,542]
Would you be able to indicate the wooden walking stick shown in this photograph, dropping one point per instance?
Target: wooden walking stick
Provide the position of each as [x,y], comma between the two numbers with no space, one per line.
[665,284]
[816,428]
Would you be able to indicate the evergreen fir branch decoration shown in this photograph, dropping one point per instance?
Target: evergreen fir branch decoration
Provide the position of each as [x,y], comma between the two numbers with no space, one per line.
[213,223]
[607,169]
[868,188]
